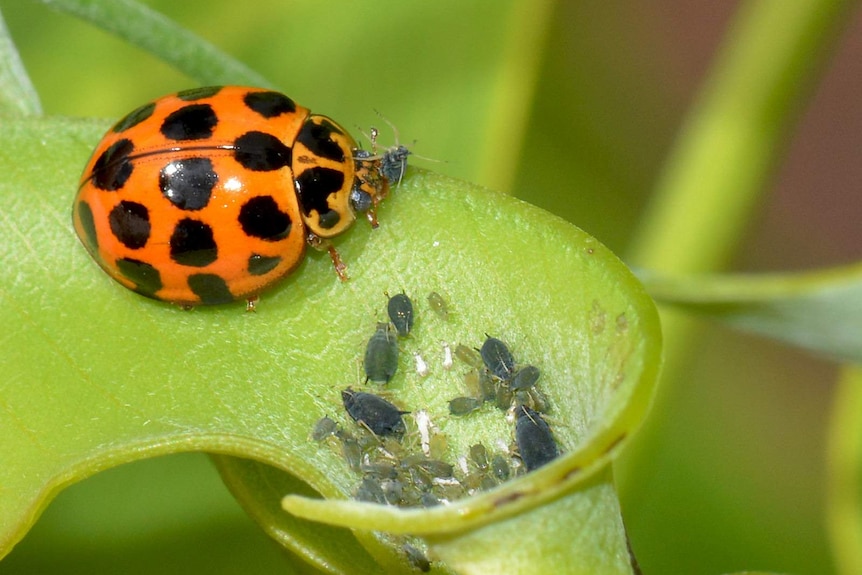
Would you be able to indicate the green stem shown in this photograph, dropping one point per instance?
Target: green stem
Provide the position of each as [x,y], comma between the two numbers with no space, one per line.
[17,95]
[508,113]
[719,168]
[735,133]
[154,33]
[844,511]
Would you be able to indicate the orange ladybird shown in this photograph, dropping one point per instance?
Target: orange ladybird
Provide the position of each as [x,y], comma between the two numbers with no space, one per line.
[210,195]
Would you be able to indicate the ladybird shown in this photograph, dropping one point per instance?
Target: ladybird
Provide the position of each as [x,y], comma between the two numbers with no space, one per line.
[211,195]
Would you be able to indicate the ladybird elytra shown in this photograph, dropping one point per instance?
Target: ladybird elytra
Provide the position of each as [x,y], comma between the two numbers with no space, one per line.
[211,195]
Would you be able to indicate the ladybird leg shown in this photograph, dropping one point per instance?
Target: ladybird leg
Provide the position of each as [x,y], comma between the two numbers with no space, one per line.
[382,187]
[319,243]
[371,216]
[340,266]
[251,303]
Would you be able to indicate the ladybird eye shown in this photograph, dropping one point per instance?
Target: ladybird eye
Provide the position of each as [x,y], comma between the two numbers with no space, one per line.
[360,200]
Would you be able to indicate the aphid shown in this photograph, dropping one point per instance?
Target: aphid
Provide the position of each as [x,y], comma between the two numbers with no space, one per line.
[500,467]
[400,310]
[449,489]
[434,467]
[324,428]
[536,444]
[393,161]
[378,415]
[487,386]
[351,451]
[503,399]
[488,483]
[438,445]
[532,398]
[469,356]
[429,499]
[472,383]
[381,355]
[525,378]
[369,490]
[438,305]
[417,558]
[473,481]
[463,405]
[379,469]
[479,455]
[497,358]
[393,491]
[420,478]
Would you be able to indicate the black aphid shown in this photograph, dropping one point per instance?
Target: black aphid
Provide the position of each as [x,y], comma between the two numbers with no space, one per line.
[377,414]
[536,443]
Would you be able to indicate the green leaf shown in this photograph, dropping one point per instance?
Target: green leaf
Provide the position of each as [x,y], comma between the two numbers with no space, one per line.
[95,375]
[523,544]
[153,32]
[17,95]
[844,509]
[820,311]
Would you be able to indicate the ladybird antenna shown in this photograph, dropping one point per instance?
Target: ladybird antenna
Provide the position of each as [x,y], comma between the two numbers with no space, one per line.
[391,126]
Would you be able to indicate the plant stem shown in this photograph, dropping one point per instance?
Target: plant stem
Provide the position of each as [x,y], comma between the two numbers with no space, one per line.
[735,132]
[17,95]
[718,171]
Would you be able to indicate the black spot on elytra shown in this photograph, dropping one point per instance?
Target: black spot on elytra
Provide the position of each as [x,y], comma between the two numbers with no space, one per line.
[192,122]
[269,104]
[146,278]
[313,187]
[318,139]
[212,289]
[130,223]
[198,93]
[261,152]
[88,223]
[113,168]
[188,183]
[259,265]
[261,218]
[134,117]
[192,243]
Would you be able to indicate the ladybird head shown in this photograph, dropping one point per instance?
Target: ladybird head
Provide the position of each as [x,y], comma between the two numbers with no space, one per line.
[370,186]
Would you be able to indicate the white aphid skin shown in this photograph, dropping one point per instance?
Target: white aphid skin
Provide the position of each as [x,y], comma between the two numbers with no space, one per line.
[450,481]
[447,356]
[462,464]
[421,365]
[423,423]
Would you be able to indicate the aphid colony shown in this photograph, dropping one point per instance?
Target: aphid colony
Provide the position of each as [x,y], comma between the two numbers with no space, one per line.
[405,463]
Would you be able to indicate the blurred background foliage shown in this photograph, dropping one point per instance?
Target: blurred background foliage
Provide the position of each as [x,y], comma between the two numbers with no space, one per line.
[731,464]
